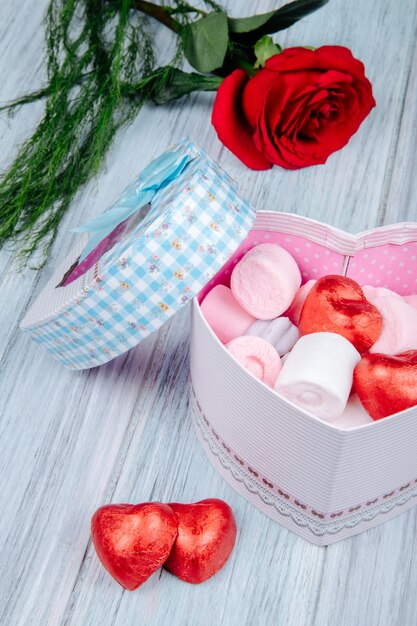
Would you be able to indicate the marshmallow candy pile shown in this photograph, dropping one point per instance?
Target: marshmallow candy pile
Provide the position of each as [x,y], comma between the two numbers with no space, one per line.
[316,343]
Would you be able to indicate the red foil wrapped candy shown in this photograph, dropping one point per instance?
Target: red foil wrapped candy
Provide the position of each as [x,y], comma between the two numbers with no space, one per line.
[206,536]
[133,541]
[337,304]
[386,384]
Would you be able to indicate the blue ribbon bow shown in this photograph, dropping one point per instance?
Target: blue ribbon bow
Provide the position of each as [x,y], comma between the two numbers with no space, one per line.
[157,175]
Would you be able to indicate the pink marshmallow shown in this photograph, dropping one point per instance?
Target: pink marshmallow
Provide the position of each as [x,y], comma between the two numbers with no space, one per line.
[225,316]
[399,325]
[297,304]
[258,356]
[265,281]
[374,292]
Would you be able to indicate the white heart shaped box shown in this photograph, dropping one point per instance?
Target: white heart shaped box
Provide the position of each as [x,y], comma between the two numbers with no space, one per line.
[324,481]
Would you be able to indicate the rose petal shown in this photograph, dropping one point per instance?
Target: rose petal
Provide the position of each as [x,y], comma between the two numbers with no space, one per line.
[271,146]
[285,87]
[323,58]
[253,97]
[293,59]
[230,124]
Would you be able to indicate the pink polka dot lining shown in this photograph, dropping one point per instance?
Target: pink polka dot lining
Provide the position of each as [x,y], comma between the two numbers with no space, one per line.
[389,265]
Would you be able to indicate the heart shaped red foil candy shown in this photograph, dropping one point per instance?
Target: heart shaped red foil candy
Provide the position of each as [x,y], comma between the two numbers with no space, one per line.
[386,384]
[337,304]
[206,536]
[133,541]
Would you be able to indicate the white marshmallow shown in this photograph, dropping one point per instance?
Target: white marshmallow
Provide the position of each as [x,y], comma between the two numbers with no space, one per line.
[353,416]
[280,332]
[318,373]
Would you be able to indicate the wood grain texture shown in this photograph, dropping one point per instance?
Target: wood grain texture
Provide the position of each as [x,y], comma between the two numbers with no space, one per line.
[70,442]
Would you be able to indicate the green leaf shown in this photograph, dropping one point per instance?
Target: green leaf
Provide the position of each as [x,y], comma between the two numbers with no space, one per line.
[206,40]
[252,28]
[182,83]
[264,49]
[247,24]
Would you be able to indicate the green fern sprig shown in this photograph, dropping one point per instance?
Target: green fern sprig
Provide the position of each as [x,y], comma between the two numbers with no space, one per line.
[101,68]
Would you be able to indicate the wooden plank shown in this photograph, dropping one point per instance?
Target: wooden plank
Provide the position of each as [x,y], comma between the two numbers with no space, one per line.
[369,579]
[21,40]
[400,201]
[61,435]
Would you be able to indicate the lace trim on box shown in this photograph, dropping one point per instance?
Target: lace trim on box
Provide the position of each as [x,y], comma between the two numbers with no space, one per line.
[302,514]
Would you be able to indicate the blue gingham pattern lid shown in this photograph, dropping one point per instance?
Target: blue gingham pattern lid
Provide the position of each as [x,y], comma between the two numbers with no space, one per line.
[192,228]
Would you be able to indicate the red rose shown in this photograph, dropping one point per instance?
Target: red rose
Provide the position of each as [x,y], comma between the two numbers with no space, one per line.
[304,105]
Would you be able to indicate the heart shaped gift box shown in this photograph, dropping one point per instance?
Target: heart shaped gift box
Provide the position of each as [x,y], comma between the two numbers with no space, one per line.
[323,481]
[182,221]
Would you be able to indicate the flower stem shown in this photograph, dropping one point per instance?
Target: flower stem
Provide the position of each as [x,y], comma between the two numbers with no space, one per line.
[158,13]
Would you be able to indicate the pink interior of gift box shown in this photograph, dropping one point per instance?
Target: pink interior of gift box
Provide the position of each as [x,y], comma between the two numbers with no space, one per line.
[392,266]
[389,265]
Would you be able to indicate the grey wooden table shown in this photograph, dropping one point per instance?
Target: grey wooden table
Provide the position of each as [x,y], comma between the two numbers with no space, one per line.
[70,442]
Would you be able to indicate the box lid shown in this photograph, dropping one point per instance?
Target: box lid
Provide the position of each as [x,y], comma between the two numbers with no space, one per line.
[158,245]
